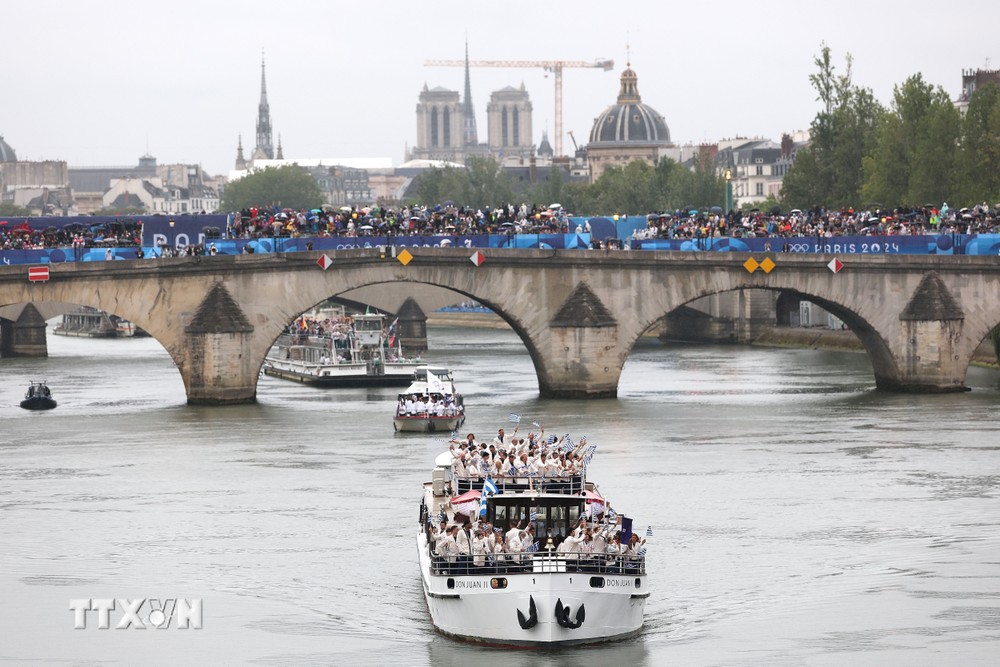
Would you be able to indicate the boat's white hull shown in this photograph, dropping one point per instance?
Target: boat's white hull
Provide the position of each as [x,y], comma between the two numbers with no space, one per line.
[472,609]
[338,375]
[428,424]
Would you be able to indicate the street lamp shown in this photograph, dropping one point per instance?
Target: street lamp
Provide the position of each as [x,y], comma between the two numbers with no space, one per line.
[729,192]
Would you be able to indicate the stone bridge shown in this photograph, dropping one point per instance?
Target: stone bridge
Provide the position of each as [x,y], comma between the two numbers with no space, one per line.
[920,318]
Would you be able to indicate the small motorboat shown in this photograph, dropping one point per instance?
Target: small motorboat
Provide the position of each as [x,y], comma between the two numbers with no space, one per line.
[38,397]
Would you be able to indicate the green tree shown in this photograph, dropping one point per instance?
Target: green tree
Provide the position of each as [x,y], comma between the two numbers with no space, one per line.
[829,171]
[486,182]
[978,160]
[914,157]
[702,186]
[288,186]
[10,210]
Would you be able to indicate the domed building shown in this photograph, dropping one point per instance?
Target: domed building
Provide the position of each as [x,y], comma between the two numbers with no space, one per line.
[7,153]
[627,131]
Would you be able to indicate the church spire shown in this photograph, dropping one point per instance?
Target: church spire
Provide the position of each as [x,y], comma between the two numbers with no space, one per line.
[264,149]
[241,162]
[469,136]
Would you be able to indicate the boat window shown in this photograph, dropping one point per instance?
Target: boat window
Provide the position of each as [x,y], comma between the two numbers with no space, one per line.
[597,582]
[558,521]
[500,516]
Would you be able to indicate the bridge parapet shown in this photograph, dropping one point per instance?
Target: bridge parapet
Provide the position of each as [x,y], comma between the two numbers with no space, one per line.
[578,312]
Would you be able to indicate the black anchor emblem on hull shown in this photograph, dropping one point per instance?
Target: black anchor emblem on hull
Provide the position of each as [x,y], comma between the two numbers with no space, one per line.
[562,616]
[532,619]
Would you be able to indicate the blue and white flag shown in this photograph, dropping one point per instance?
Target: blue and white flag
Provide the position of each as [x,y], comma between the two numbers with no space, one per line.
[536,424]
[514,419]
[533,548]
[642,552]
[454,435]
[612,515]
[649,531]
[512,472]
[533,517]
[482,504]
[441,517]
[498,530]
[489,486]
[552,439]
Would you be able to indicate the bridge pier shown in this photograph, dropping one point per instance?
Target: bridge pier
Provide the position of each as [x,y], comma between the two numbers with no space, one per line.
[412,328]
[24,337]
[930,357]
[217,359]
[580,354]
[931,362]
[580,362]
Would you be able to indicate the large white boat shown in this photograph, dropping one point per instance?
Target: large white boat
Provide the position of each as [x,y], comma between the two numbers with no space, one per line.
[535,597]
[366,354]
[93,323]
[430,404]
[87,322]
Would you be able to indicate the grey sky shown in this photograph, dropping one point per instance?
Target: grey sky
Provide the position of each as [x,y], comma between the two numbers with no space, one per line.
[94,83]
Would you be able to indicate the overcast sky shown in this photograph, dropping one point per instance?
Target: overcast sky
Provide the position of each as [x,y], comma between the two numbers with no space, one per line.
[100,82]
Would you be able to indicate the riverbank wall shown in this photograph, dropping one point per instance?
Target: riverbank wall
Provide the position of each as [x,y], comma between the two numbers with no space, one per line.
[814,338]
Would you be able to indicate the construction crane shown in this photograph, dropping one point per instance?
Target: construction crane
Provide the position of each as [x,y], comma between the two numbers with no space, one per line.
[554,66]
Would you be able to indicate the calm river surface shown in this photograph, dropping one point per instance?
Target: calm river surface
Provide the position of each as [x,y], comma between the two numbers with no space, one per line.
[799,517]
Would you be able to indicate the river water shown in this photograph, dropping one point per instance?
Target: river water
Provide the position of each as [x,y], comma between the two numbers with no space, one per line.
[799,516]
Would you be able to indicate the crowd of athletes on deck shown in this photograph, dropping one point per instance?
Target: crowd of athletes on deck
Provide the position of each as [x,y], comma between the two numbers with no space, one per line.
[462,541]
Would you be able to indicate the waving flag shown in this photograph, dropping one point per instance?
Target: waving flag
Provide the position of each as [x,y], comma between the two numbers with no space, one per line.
[536,424]
[533,548]
[434,384]
[533,517]
[392,332]
[642,552]
[454,435]
[482,504]
[612,515]
[441,517]
[552,439]
[513,418]
[626,530]
[489,486]
[649,531]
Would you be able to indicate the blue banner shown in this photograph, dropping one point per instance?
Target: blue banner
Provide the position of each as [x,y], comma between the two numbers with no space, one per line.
[931,244]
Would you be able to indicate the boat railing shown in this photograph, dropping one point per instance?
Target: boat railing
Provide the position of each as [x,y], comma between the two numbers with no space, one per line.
[564,484]
[536,563]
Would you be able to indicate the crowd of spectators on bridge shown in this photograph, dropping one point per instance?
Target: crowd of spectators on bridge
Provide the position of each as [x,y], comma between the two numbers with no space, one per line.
[819,222]
[448,219]
[417,220]
[124,233]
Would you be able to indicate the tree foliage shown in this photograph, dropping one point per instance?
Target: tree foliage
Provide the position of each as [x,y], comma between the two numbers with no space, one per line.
[978,159]
[829,172]
[10,210]
[481,183]
[914,157]
[288,186]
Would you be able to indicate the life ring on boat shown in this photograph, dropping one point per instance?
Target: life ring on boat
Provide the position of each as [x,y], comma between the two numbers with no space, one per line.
[532,619]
